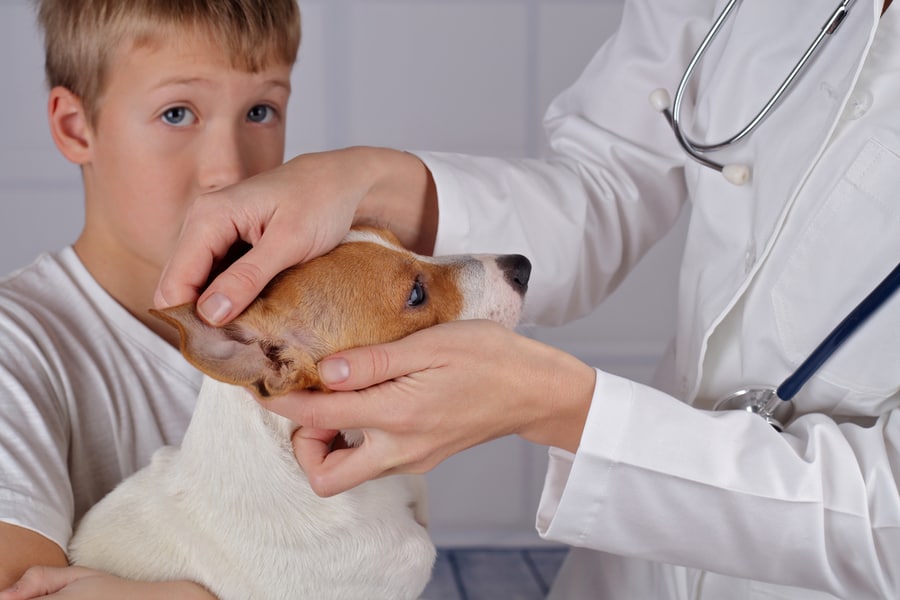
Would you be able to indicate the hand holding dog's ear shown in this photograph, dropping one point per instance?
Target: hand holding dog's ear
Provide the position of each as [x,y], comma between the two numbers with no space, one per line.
[432,394]
[285,214]
[291,214]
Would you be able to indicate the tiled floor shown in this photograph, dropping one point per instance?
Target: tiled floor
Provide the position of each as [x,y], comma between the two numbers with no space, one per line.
[487,573]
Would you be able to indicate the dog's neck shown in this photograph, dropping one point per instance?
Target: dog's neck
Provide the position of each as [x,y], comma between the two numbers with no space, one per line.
[228,421]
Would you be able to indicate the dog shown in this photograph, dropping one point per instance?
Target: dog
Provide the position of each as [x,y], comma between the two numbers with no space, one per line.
[231,509]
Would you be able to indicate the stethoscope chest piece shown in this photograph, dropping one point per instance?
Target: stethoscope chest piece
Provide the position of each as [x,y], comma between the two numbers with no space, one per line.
[760,401]
[775,405]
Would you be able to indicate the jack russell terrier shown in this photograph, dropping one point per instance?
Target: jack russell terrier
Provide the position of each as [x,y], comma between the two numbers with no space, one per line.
[231,509]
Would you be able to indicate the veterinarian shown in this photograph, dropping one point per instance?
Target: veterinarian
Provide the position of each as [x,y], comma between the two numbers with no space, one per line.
[662,496]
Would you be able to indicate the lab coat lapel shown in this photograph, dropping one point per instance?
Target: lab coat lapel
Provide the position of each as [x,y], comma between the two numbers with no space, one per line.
[738,226]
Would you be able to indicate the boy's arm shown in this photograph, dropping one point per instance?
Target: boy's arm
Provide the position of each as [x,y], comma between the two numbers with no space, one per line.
[21,548]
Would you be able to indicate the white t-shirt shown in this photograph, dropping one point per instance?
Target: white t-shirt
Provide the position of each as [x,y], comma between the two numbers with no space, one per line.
[87,394]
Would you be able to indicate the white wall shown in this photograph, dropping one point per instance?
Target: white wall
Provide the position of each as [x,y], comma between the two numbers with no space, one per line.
[471,76]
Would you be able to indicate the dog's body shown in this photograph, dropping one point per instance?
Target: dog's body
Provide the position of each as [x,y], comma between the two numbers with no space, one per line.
[231,509]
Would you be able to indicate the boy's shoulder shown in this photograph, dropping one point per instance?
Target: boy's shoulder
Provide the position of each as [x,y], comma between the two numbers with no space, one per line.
[61,331]
[55,313]
[54,298]
[51,278]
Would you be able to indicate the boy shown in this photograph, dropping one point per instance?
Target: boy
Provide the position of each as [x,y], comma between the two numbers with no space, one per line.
[157,102]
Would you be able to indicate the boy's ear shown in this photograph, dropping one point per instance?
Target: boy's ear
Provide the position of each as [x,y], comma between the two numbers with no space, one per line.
[69,125]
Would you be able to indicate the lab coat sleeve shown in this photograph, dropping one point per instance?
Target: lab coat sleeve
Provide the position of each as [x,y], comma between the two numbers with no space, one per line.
[815,507]
[612,185]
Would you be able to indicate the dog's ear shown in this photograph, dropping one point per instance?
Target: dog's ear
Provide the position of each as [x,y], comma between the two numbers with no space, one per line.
[237,354]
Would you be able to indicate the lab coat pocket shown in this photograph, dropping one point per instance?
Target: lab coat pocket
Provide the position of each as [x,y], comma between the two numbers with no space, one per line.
[848,246]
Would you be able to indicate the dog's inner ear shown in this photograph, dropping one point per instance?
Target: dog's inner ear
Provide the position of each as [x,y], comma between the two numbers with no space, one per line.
[237,354]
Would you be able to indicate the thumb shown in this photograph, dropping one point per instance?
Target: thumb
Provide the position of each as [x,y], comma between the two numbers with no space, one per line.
[359,368]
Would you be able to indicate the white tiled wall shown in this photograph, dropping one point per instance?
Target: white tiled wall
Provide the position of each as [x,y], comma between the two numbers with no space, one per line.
[462,75]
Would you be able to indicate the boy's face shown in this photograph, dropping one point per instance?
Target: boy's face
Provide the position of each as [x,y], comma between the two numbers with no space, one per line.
[174,121]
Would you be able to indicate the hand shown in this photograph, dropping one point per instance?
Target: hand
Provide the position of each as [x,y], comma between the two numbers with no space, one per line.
[290,214]
[78,582]
[431,395]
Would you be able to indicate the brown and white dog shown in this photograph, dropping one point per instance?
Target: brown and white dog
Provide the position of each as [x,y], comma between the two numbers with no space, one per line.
[231,509]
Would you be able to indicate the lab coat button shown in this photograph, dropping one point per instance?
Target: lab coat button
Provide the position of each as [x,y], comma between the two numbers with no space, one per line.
[749,258]
[858,105]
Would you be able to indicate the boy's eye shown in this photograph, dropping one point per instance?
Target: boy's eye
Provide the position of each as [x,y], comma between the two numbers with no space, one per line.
[179,116]
[261,113]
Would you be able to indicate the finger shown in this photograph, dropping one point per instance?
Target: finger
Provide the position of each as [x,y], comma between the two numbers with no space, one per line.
[331,473]
[336,411]
[212,227]
[326,437]
[238,285]
[311,446]
[41,581]
[363,367]
[205,238]
[185,275]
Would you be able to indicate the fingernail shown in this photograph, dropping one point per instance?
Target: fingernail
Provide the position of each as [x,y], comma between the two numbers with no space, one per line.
[334,370]
[215,308]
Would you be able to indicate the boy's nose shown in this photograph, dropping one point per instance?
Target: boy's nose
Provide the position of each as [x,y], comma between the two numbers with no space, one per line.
[222,161]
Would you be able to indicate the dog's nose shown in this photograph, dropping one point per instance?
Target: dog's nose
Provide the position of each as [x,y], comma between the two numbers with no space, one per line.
[517,270]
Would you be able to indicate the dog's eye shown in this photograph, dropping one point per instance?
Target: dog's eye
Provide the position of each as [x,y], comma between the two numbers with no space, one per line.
[416,295]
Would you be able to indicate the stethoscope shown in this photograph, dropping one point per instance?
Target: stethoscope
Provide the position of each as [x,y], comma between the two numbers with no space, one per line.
[737,174]
[775,405]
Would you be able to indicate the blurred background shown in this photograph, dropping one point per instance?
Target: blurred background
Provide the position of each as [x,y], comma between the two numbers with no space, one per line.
[466,76]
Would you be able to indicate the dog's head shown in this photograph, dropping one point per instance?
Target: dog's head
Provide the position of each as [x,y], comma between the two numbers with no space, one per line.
[367,290]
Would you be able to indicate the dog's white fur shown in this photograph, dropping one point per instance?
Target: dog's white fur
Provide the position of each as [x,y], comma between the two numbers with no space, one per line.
[231,509]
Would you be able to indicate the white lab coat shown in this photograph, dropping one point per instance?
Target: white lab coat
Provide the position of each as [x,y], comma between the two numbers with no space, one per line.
[769,268]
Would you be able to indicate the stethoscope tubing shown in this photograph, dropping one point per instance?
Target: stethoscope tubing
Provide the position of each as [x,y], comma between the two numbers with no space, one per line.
[827,29]
[736,173]
[859,315]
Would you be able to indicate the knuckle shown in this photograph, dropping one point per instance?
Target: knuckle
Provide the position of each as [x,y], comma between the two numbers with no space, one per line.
[33,577]
[321,484]
[201,210]
[313,416]
[209,202]
[34,573]
[245,275]
[310,417]
[405,421]
[379,363]
[300,411]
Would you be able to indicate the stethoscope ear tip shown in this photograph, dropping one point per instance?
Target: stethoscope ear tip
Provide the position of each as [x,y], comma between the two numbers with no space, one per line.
[736,174]
[660,100]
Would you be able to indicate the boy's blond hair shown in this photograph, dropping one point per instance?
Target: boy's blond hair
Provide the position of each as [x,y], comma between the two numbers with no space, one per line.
[82,36]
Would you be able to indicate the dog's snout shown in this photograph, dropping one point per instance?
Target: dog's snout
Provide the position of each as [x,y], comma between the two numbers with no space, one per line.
[517,271]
